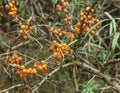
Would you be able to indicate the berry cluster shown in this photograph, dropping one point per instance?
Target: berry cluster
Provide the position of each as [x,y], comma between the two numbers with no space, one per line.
[57,32]
[42,66]
[59,49]
[66,20]
[63,4]
[23,71]
[87,20]
[25,30]
[14,59]
[11,8]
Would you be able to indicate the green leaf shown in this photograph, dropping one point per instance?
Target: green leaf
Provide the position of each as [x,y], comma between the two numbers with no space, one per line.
[35,32]
[90,87]
[21,8]
[115,41]
[113,26]
[111,29]
[54,1]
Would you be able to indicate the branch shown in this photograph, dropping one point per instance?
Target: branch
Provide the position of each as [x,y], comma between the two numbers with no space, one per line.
[25,43]
[75,80]
[113,61]
[2,91]
[88,68]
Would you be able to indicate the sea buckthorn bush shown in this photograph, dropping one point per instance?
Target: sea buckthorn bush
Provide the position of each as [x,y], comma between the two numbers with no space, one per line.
[59,46]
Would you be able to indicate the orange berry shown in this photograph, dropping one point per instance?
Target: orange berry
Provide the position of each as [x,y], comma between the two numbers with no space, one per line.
[92,32]
[97,20]
[81,14]
[25,37]
[24,70]
[21,75]
[59,46]
[87,9]
[65,10]
[11,13]
[90,22]
[12,9]
[89,16]
[66,52]
[26,26]
[7,7]
[43,62]
[71,36]
[97,26]
[40,67]
[11,5]
[51,48]
[55,32]
[86,29]
[65,4]
[15,65]
[30,28]
[44,65]
[69,18]
[59,30]
[81,19]
[59,8]
[17,60]
[92,10]
[76,29]
[34,71]
[43,70]
[27,21]
[13,2]
[51,29]
[93,19]
[28,71]
[62,1]
[84,17]
[22,27]
[22,67]
[55,54]
[54,41]
[15,9]
[64,32]
[84,25]
[60,34]
[65,21]
[78,25]
[21,32]
[36,65]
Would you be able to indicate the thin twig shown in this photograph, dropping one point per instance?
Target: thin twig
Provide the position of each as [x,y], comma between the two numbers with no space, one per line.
[2,91]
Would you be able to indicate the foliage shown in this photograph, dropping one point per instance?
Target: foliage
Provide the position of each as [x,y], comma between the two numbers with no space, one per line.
[55,46]
[90,87]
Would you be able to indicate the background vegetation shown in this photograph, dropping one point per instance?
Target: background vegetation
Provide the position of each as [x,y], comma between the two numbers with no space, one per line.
[31,32]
